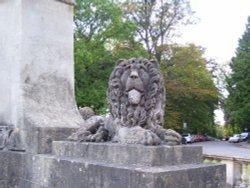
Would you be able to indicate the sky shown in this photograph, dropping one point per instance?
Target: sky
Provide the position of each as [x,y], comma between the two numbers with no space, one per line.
[221,23]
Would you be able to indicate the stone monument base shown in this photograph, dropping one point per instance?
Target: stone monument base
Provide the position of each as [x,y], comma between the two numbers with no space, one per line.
[107,165]
[39,139]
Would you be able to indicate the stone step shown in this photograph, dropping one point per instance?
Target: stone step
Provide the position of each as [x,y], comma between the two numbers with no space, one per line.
[129,154]
[50,171]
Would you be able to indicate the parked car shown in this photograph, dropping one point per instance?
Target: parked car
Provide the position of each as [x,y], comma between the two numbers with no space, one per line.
[199,138]
[189,138]
[245,136]
[235,138]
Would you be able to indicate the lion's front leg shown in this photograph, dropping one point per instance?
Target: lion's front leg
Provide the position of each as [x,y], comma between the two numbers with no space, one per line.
[93,132]
[168,136]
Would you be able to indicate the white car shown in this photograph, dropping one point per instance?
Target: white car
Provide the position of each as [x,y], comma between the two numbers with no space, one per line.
[189,138]
[245,136]
[235,138]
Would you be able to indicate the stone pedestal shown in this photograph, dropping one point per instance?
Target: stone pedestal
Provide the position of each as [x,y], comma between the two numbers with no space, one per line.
[36,71]
[129,154]
[105,165]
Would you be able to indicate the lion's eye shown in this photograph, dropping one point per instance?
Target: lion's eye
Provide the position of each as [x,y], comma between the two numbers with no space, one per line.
[143,68]
[127,67]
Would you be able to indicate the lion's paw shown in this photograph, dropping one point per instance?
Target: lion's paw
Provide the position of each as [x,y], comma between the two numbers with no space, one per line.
[136,135]
[171,137]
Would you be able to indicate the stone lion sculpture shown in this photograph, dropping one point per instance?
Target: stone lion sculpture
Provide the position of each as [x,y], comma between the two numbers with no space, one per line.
[136,98]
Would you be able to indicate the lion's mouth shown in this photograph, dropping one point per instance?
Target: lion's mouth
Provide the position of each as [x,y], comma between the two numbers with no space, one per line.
[134,96]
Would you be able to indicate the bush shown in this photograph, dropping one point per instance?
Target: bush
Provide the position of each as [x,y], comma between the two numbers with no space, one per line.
[229,130]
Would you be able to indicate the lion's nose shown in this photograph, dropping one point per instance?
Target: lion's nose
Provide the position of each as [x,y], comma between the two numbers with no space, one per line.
[134,75]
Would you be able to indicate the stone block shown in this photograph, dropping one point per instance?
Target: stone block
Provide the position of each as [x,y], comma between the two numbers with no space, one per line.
[28,184]
[37,70]
[47,171]
[129,154]
[40,141]
[3,184]
[4,163]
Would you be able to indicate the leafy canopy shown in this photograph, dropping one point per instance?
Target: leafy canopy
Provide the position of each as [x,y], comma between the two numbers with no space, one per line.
[191,94]
[101,37]
[237,105]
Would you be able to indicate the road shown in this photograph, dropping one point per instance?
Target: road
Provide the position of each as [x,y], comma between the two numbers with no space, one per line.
[224,148]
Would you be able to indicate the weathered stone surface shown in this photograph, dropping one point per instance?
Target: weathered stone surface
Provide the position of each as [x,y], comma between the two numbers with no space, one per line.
[4,162]
[11,168]
[42,137]
[136,97]
[86,112]
[36,68]
[130,154]
[36,171]
[10,138]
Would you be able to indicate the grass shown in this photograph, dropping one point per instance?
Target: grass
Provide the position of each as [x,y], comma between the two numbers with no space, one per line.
[209,161]
[248,169]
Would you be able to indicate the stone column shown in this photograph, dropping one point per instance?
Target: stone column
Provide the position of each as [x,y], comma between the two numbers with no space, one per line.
[232,171]
[36,71]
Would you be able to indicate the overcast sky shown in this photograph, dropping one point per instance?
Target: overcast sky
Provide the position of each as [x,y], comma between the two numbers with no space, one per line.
[222,23]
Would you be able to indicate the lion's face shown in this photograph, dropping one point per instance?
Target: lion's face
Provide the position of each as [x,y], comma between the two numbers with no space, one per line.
[134,82]
[136,92]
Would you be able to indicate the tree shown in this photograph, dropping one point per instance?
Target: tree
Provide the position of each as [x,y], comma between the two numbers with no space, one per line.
[157,22]
[101,37]
[191,94]
[237,105]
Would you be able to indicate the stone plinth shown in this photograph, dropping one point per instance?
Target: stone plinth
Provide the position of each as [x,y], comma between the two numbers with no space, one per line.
[129,154]
[103,166]
[36,71]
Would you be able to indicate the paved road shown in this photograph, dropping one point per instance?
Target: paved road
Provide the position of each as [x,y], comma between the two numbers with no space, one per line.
[224,148]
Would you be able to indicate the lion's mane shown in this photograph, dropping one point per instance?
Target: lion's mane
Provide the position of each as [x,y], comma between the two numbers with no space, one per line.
[150,109]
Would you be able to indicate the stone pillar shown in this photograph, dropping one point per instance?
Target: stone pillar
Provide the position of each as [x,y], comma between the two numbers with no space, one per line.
[232,172]
[36,71]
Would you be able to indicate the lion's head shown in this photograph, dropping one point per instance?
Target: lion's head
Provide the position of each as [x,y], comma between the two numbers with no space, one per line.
[136,93]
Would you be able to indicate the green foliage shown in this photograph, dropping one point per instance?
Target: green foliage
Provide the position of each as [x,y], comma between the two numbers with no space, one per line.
[237,105]
[102,36]
[99,21]
[191,94]
[216,131]
[95,23]
[219,130]
[229,130]
[92,67]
